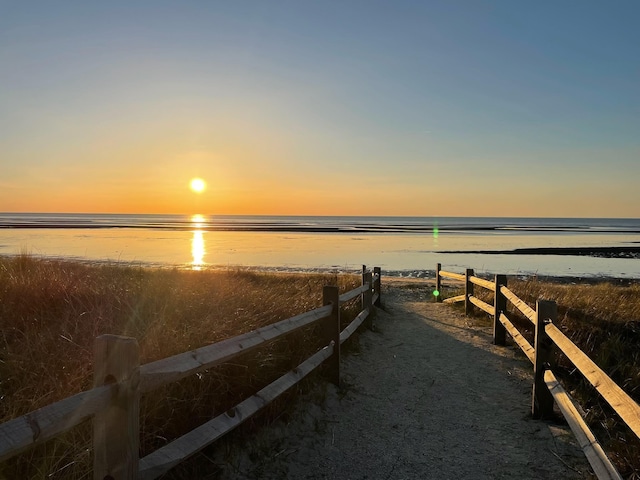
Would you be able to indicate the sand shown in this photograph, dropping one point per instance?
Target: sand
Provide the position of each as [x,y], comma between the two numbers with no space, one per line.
[424,395]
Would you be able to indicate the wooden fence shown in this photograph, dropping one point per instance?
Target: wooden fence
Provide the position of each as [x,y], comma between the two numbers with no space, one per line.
[546,387]
[120,380]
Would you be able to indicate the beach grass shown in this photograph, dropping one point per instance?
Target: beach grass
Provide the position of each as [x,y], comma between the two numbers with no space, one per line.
[603,319]
[51,312]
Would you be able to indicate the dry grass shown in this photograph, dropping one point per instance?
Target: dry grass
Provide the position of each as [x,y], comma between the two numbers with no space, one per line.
[603,319]
[51,312]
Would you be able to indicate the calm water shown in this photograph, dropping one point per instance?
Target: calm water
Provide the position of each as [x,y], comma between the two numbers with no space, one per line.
[408,246]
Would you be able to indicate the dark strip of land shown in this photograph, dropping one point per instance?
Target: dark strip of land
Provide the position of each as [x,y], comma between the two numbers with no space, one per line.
[602,252]
[295,227]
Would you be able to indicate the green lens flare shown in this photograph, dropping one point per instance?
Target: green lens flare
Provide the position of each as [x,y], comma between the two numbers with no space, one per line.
[436,293]
[435,232]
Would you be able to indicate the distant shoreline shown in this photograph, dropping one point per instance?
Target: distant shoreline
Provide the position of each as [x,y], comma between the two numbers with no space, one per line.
[600,252]
[393,229]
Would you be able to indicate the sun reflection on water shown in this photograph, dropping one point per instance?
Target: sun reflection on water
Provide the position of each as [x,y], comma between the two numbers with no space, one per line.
[198,250]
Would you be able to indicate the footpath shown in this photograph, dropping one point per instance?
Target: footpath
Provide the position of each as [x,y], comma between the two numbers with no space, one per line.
[425,395]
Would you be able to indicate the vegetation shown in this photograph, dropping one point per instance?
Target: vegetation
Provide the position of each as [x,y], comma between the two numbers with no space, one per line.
[51,312]
[603,319]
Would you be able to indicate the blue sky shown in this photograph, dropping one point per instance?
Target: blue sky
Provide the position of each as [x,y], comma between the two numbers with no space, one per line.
[439,108]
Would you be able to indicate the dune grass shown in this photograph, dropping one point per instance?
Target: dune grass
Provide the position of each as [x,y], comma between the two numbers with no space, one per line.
[51,312]
[603,319]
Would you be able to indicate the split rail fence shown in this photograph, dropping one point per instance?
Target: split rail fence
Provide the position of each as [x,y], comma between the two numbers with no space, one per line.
[547,337]
[113,403]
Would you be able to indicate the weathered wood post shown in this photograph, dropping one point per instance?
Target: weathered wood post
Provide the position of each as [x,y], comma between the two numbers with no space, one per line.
[500,307]
[377,285]
[330,296]
[367,298]
[362,299]
[116,432]
[438,292]
[468,291]
[541,399]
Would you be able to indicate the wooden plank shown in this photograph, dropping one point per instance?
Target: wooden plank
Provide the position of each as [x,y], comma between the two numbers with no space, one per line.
[483,283]
[455,276]
[522,342]
[353,326]
[356,292]
[482,305]
[528,312]
[375,298]
[622,403]
[47,422]
[116,430]
[167,457]
[602,466]
[459,298]
[171,369]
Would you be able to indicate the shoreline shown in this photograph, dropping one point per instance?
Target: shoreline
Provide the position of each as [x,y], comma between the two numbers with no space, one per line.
[396,277]
[598,252]
[393,229]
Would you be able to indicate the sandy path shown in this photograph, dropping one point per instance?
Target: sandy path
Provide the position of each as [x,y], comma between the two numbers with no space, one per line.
[426,396]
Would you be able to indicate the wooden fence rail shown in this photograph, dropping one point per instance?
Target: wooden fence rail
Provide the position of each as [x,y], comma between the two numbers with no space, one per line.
[120,380]
[546,387]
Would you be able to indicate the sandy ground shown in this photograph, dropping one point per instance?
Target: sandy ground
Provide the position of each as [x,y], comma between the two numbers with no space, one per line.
[424,395]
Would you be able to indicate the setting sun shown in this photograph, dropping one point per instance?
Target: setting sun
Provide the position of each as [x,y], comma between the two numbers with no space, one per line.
[198,185]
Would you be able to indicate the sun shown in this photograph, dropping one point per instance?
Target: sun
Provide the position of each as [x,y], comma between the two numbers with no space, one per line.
[198,185]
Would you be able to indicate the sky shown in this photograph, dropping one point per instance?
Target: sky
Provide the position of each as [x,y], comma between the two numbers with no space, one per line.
[434,108]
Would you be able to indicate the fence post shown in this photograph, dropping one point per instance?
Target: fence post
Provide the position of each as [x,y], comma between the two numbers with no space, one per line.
[468,291]
[542,400]
[362,299]
[377,285]
[367,297]
[500,306]
[438,292]
[330,296]
[116,432]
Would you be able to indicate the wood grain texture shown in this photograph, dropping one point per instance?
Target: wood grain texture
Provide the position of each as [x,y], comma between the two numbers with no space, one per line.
[459,298]
[353,326]
[171,369]
[455,276]
[622,403]
[527,311]
[489,285]
[356,292]
[47,422]
[167,457]
[602,466]
[522,342]
[482,305]
[116,429]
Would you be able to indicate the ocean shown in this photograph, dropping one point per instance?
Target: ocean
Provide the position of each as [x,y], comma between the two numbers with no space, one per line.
[401,246]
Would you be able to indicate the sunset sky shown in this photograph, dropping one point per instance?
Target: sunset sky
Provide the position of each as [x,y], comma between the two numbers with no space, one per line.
[488,108]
